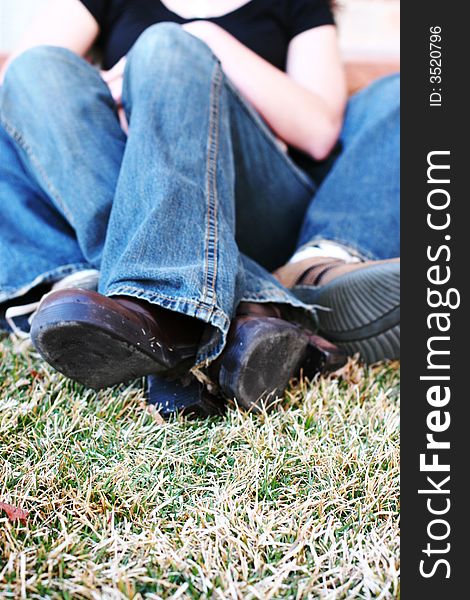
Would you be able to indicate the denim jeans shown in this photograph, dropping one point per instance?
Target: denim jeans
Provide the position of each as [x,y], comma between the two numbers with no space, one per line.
[155,211]
[184,211]
[358,203]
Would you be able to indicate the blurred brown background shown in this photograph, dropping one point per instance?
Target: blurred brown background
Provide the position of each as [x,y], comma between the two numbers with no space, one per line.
[370,39]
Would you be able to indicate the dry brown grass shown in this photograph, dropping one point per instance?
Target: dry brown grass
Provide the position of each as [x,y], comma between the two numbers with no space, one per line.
[300,503]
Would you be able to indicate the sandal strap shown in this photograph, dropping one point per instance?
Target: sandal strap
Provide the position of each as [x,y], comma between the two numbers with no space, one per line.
[317,272]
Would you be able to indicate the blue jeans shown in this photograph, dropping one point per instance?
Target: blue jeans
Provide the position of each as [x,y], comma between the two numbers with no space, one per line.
[155,211]
[182,212]
[358,203]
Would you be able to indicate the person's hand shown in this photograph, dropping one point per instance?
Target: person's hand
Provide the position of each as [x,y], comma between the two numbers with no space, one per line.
[201,28]
[114,80]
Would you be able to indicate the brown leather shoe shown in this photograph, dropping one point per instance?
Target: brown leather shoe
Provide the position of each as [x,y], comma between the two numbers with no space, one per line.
[360,301]
[100,341]
[264,352]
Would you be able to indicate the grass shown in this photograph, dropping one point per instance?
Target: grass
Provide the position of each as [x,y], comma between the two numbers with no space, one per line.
[300,503]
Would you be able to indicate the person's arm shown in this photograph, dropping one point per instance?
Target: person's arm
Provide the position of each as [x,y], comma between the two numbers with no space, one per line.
[65,23]
[304,107]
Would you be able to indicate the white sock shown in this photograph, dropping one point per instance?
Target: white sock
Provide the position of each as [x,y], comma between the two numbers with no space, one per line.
[327,249]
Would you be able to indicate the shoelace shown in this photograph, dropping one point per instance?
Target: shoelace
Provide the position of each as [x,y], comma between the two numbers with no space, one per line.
[87,279]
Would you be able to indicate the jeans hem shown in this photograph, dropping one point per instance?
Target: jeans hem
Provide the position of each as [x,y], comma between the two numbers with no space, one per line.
[297,311]
[10,293]
[294,308]
[215,316]
[211,315]
[186,306]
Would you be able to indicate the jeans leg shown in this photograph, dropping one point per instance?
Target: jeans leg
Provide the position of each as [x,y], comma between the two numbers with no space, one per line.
[37,245]
[272,193]
[63,121]
[358,203]
[171,232]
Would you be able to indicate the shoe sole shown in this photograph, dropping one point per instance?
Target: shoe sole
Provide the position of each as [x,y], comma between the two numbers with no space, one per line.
[271,357]
[364,313]
[84,343]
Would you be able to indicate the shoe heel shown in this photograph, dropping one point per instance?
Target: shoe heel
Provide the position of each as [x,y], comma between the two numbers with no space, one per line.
[261,360]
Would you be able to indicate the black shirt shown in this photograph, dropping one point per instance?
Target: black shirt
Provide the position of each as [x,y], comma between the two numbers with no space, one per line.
[265,26]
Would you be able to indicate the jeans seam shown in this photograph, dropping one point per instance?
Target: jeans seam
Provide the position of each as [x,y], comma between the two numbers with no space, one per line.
[215,316]
[210,272]
[16,135]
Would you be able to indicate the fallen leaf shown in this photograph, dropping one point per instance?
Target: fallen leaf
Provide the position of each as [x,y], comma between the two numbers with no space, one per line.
[14,513]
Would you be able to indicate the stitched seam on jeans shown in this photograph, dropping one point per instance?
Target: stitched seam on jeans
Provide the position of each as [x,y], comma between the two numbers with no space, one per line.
[214,182]
[129,288]
[29,152]
[256,119]
[210,275]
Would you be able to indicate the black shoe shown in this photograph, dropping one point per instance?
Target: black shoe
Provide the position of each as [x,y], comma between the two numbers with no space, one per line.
[189,398]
